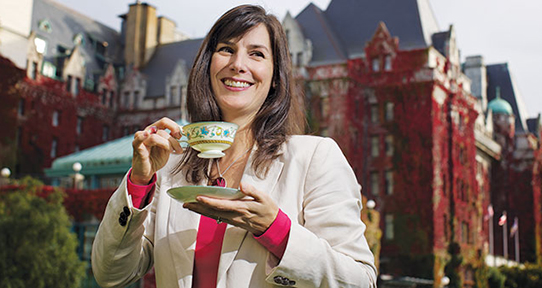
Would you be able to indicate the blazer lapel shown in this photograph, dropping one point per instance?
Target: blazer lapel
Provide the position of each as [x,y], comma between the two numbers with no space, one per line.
[234,236]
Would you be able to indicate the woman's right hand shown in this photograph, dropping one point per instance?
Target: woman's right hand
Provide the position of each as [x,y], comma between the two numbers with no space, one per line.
[152,147]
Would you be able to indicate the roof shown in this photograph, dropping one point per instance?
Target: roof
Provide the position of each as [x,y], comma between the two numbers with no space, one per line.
[500,106]
[113,157]
[535,125]
[163,62]
[499,75]
[354,22]
[65,24]
[327,48]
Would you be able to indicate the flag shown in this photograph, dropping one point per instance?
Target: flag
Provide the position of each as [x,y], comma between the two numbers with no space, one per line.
[514,228]
[502,219]
[490,212]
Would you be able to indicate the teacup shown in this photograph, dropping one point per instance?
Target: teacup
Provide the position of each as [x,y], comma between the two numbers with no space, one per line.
[210,138]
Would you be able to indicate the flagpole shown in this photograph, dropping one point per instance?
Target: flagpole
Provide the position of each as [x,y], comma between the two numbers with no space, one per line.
[517,239]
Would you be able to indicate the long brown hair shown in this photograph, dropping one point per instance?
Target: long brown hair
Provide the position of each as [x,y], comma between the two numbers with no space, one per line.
[281,113]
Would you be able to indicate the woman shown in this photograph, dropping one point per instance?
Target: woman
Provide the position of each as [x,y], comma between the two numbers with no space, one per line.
[299,224]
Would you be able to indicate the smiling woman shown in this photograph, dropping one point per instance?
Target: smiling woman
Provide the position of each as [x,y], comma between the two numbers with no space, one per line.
[296,197]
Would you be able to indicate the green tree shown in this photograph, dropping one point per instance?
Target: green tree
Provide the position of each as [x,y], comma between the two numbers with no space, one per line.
[37,248]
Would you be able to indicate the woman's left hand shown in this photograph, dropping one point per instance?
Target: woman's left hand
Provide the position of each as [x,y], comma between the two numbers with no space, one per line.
[254,213]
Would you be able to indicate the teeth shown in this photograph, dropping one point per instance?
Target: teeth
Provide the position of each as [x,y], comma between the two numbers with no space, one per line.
[236,84]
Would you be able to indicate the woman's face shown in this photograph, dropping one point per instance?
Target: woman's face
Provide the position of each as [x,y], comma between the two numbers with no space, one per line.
[241,73]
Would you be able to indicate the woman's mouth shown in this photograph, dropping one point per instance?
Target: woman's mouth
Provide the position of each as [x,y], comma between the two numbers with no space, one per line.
[236,83]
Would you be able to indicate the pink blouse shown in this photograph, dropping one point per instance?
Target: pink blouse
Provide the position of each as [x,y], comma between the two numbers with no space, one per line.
[210,236]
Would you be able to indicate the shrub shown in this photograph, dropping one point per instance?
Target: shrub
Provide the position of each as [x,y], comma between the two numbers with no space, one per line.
[37,248]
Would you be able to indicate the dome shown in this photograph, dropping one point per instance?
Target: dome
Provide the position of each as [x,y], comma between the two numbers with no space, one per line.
[500,106]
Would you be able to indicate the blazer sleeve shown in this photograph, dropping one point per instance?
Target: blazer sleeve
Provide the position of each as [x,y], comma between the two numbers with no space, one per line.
[328,248]
[122,250]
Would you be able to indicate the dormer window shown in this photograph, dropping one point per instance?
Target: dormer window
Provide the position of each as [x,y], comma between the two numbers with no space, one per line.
[79,39]
[41,45]
[45,26]
[376,64]
[387,63]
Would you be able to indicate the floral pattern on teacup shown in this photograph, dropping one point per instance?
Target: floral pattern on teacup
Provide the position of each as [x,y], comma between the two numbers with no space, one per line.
[210,132]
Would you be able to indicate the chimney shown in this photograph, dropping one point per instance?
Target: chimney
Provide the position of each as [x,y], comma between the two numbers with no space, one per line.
[140,27]
[475,69]
[166,30]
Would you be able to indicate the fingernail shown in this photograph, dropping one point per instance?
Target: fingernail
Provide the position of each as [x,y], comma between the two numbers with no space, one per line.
[177,135]
[154,129]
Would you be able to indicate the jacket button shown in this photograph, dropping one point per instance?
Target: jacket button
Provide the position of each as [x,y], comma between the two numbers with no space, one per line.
[126,210]
[278,279]
[123,219]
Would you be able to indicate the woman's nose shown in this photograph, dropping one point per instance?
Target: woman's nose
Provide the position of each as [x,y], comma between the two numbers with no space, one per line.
[238,63]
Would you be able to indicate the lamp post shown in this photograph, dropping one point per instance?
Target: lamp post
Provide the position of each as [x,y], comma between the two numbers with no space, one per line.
[5,175]
[77,176]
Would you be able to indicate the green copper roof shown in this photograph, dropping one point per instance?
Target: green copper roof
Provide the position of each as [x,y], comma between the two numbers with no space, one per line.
[500,106]
[113,157]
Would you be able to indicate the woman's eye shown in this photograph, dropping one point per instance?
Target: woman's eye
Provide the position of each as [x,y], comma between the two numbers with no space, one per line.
[225,49]
[258,54]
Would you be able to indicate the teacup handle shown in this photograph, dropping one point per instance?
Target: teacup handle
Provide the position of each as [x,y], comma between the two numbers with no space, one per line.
[182,134]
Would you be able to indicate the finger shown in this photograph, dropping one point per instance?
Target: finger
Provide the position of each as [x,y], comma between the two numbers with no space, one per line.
[166,123]
[250,191]
[156,140]
[139,137]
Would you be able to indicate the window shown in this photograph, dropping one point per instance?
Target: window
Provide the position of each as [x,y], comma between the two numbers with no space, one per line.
[374,114]
[105,133]
[136,99]
[54,145]
[389,145]
[45,26]
[111,99]
[55,118]
[126,99]
[79,126]
[375,146]
[49,69]
[375,179]
[77,86]
[79,39]
[376,65]
[103,95]
[389,227]
[69,83]
[389,182]
[387,63]
[34,70]
[20,109]
[389,111]
[41,45]
[173,92]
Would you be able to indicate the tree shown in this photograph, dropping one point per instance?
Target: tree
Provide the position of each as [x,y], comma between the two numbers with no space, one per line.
[37,248]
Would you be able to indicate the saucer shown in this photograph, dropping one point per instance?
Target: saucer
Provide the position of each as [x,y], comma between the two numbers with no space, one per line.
[189,193]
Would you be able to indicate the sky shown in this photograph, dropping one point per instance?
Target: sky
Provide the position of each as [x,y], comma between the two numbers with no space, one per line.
[499,30]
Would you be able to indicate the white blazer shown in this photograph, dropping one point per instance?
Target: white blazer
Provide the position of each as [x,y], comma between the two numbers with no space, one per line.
[311,182]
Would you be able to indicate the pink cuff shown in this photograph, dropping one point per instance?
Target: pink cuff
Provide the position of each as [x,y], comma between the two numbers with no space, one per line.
[276,236]
[140,193]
